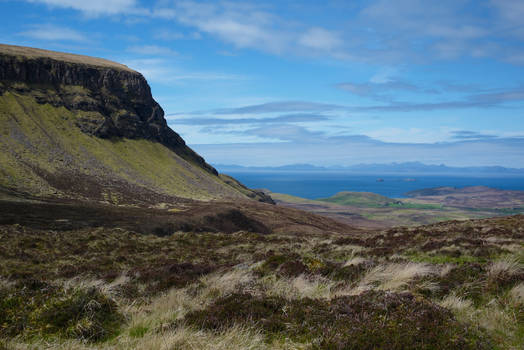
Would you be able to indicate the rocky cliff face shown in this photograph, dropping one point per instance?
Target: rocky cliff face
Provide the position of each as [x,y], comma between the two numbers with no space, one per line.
[81,127]
[119,99]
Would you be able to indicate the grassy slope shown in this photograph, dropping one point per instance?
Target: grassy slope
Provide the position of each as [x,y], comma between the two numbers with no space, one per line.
[38,138]
[359,199]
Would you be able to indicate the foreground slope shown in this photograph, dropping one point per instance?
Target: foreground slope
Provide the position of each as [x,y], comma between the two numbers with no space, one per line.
[76,126]
[253,276]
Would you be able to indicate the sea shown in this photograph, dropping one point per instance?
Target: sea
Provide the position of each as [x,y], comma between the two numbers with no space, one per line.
[320,184]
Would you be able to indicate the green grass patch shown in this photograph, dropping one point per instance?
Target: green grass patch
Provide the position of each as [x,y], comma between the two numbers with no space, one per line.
[359,199]
[409,205]
[38,309]
[138,331]
[445,259]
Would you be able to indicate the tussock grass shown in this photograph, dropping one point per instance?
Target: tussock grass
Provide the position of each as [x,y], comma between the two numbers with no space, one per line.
[110,289]
[227,282]
[281,291]
[354,261]
[516,295]
[507,266]
[395,277]
[182,338]
[299,287]
[456,303]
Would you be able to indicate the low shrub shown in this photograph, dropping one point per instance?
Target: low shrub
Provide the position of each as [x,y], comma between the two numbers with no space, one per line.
[372,320]
[84,314]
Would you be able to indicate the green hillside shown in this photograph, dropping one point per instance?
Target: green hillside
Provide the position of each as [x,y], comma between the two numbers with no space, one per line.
[360,199]
[53,150]
[85,128]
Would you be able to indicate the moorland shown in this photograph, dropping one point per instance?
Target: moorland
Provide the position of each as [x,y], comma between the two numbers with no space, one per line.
[116,235]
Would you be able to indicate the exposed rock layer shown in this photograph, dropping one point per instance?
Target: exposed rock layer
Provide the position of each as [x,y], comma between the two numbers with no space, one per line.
[83,127]
[119,98]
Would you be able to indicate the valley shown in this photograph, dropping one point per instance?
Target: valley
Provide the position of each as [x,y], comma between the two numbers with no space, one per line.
[422,207]
[114,234]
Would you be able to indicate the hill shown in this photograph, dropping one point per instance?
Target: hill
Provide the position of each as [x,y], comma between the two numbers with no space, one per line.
[82,127]
[104,245]
[360,199]
[477,197]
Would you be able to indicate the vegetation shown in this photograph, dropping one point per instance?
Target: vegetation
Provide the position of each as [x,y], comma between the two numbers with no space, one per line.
[371,320]
[402,288]
[373,210]
[60,160]
[39,309]
[360,199]
[104,246]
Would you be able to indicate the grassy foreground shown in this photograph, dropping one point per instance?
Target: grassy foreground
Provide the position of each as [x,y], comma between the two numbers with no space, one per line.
[453,285]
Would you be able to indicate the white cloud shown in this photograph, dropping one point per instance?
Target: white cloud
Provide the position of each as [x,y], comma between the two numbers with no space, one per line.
[320,39]
[162,71]
[359,149]
[243,26]
[411,135]
[50,32]
[94,7]
[378,31]
[152,50]
[254,27]
[169,35]
[512,10]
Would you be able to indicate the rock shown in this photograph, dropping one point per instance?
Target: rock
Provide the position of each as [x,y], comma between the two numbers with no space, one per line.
[117,101]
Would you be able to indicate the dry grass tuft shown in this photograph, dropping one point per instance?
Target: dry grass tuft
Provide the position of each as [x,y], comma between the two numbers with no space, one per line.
[302,286]
[182,338]
[508,266]
[229,282]
[516,295]
[108,289]
[354,261]
[393,277]
[456,303]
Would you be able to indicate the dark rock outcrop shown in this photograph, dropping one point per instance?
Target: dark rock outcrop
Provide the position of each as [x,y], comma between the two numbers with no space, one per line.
[117,101]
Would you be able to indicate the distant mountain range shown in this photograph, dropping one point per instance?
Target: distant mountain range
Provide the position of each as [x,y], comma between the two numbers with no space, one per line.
[410,168]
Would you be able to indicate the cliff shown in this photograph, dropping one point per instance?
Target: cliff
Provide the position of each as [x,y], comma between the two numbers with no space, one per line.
[119,98]
[73,124]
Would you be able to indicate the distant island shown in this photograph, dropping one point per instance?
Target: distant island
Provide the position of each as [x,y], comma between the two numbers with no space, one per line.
[411,168]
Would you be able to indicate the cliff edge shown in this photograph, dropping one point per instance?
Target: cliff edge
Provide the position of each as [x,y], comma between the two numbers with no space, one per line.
[77,125]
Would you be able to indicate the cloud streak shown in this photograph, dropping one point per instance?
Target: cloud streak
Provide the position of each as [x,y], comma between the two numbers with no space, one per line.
[281,106]
[471,135]
[500,98]
[49,32]
[289,118]
[361,149]
[94,7]
[159,70]
[375,32]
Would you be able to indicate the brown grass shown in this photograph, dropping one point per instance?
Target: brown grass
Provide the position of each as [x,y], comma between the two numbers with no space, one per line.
[30,52]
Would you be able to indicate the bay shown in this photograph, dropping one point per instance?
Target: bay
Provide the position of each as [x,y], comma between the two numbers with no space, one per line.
[317,184]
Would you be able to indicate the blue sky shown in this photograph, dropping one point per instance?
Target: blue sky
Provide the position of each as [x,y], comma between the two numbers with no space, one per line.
[321,82]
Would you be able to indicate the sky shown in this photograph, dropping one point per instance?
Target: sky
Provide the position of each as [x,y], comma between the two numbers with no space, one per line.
[321,82]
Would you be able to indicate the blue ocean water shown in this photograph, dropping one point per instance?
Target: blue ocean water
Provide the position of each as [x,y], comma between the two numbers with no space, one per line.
[313,185]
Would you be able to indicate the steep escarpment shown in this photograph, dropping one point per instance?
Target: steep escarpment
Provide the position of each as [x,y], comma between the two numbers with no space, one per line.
[118,98]
[79,126]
